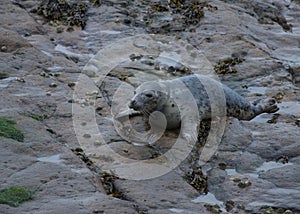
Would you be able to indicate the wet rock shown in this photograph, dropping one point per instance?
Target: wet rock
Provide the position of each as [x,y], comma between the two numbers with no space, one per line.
[216,178]
[295,71]
[248,162]
[3,75]
[165,187]
[272,148]
[289,178]
[265,12]
[236,133]
[11,41]
[22,23]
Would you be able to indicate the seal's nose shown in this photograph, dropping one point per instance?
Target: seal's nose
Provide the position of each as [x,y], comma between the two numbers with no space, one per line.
[132,104]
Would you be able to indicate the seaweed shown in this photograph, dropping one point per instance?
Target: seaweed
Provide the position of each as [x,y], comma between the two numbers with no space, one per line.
[279,97]
[180,15]
[96,3]
[108,182]
[227,66]
[80,153]
[64,12]
[197,179]
[213,208]
[275,210]
[192,11]
[107,179]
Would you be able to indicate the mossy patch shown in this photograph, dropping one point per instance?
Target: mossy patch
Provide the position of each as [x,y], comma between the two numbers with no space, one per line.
[8,130]
[15,195]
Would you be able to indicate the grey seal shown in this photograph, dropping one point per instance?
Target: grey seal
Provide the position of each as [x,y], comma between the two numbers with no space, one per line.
[187,100]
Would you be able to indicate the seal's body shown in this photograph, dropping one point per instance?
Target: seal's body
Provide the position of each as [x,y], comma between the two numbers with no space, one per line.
[187,100]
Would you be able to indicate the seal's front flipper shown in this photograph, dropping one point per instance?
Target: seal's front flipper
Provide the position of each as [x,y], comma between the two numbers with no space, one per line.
[189,129]
[122,116]
[158,124]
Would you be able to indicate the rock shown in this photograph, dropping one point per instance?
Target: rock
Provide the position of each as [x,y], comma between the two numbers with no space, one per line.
[236,137]
[295,71]
[166,188]
[17,19]
[289,179]
[248,173]
[248,162]
[11,41]
[272,148]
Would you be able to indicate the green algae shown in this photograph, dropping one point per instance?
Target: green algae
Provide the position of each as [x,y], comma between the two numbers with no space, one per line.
[38,117]
[8,130]
[15,195]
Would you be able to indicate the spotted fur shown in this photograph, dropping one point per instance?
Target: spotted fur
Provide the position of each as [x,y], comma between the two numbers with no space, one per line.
[161,96]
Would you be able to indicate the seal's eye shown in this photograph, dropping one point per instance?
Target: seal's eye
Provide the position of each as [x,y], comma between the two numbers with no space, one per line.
[134,92]
[149,95]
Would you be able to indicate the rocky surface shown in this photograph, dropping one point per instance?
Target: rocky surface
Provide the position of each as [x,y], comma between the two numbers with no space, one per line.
[43,64]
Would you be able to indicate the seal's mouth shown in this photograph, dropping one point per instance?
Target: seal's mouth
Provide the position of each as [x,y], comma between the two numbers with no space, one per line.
[133,105]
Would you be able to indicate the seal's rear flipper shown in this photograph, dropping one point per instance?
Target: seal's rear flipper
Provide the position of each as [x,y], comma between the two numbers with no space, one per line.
[267,106]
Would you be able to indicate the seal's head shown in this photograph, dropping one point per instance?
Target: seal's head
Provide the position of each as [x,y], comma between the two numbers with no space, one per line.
[148,98]
[145,101]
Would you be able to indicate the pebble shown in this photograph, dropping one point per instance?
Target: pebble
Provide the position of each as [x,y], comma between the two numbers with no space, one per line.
[53,85]
[4,48]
